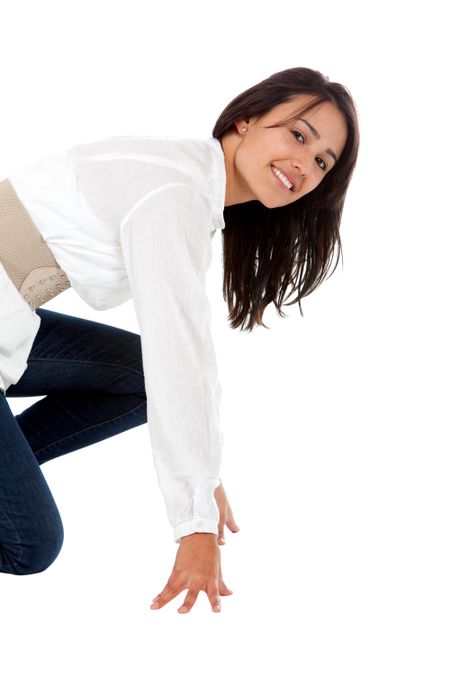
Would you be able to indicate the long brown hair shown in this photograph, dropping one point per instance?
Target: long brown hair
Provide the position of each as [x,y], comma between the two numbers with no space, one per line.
[267,250]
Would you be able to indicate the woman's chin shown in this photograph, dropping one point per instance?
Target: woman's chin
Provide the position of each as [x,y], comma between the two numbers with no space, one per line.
[270,202]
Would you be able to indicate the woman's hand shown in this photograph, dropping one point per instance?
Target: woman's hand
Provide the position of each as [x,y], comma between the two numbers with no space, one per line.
[226,514]
[197,567]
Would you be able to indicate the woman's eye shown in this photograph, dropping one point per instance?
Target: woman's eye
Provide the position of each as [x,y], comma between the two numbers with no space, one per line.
[323,166]
[298,132]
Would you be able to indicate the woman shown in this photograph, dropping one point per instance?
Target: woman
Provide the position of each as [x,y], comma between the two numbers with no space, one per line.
[133,217]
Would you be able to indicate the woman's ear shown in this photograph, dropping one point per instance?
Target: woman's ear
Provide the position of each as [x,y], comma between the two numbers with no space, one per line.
[241,124]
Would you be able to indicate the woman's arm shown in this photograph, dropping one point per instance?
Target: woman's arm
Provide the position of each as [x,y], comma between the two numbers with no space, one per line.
[166,240]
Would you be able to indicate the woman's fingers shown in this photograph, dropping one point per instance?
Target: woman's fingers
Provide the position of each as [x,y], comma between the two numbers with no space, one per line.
[221,535]
[224,590]
[189,600]
[231,524]
[214,597]
[169,592]
[226,515]
[191,597]
[230,521]
[163,598]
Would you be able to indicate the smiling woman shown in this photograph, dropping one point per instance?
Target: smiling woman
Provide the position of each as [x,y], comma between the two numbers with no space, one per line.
[132,217]
[298,158]
[290,144]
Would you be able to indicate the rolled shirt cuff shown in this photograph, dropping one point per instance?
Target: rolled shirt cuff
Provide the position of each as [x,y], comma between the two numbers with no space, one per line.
[201,513]
[196,525]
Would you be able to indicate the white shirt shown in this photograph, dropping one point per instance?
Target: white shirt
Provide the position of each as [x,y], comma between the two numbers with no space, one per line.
[133,217]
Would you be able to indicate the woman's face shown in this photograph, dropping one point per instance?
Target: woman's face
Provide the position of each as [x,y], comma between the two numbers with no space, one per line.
[304,151]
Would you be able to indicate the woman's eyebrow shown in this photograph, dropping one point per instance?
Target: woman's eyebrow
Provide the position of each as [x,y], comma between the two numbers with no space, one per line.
[317,135]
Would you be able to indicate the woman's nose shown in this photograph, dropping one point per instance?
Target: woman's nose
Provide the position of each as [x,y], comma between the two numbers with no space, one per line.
[300,169]
[303,161]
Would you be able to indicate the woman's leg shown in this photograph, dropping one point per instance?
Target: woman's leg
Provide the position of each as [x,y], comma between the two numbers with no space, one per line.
[31,530]
[92,376]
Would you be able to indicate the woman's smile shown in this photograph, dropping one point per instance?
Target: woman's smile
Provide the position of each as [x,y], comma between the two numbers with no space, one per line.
[279,180]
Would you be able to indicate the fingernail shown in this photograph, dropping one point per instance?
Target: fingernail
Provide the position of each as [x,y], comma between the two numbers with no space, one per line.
[155,605]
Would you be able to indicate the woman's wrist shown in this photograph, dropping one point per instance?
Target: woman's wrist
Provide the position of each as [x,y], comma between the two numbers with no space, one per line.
[198,536]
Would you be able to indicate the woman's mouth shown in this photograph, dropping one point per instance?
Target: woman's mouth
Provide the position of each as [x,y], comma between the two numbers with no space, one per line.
[281,178]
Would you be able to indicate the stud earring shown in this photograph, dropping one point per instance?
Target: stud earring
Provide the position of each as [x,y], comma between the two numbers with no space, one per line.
[243,128]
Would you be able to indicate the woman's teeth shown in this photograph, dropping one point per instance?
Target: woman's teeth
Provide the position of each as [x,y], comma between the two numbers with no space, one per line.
[282,177]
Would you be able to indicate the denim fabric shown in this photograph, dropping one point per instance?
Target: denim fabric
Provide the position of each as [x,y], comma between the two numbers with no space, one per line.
[91,375]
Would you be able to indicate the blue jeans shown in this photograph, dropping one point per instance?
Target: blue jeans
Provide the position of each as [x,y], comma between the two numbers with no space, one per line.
[92,377]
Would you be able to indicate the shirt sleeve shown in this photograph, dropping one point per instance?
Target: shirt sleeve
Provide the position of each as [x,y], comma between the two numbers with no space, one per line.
[166,241]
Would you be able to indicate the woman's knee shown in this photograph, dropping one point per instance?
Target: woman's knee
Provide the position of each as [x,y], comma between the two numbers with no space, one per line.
[35,555]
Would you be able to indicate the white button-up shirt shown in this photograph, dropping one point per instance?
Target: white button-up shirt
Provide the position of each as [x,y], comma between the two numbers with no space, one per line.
[133,217]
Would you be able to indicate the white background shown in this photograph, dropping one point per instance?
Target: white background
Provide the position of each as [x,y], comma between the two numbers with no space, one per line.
[335,425]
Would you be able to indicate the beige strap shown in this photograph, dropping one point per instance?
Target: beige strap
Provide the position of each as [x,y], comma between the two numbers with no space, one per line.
[24,254]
